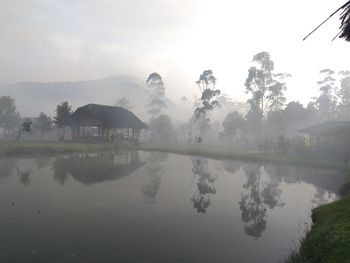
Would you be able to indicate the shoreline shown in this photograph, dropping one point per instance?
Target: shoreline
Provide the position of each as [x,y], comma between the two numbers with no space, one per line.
[40,148]
[216,153]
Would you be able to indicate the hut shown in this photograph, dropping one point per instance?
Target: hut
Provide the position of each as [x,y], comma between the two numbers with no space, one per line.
[110,123]
[331,137]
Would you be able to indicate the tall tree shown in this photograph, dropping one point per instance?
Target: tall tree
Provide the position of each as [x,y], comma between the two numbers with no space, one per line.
[208,100]
[157,98]
[63,111]
[44,124]
[327,101]
[266,88]
[162,129]
[232,124]
[9,116]
[344,95]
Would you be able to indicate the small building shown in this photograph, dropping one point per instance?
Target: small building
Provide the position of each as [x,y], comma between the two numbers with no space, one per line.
[110,123]
[331,137]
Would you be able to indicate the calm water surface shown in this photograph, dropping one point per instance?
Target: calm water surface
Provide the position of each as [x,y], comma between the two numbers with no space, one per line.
[155,207]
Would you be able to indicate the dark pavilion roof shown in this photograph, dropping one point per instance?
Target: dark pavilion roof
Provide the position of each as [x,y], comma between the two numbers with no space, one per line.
[106,116]
[328,128]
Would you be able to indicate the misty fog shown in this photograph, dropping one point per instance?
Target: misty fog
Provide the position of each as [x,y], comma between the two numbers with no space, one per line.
[173,131]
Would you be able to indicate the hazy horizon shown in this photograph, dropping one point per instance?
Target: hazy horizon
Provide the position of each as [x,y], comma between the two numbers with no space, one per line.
[64,41]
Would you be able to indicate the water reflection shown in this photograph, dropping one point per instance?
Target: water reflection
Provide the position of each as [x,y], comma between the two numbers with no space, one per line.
[249,201]
[6,167]
[262,194]
[95,168]
[13,166]
[153,175]
[41,163]
[205,184]
[263,191]
[327,182]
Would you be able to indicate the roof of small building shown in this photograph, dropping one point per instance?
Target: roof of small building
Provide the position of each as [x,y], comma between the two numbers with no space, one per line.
[108,116]
[327,128]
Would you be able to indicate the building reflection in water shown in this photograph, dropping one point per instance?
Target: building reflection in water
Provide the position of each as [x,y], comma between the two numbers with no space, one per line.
[154,167]
[96,168]
[205,184]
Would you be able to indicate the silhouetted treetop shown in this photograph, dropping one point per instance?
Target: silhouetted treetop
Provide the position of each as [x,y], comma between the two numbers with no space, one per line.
[345,22]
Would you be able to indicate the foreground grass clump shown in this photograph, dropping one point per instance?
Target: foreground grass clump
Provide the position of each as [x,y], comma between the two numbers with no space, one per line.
[46,147]
[328,241]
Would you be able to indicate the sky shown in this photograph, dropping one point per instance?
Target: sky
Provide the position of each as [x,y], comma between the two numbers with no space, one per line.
[72,40]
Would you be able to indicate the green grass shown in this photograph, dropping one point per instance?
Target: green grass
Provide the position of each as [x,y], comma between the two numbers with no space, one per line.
[228,153]
[46,147]
[328,241]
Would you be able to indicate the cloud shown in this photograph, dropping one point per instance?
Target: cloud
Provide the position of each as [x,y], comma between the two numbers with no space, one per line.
[70,40]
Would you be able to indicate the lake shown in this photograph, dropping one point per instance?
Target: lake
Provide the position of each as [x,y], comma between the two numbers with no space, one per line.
[156,207]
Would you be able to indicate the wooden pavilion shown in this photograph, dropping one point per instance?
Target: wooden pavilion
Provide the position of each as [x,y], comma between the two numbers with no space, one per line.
[112,123]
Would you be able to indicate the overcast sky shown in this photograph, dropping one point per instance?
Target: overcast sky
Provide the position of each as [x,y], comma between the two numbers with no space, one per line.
[60,40]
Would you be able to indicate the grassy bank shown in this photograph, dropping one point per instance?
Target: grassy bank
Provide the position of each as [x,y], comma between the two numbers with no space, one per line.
[45,147]
[328,241]
[217,152]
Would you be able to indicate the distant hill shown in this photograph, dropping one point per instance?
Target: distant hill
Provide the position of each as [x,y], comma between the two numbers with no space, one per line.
[35,97]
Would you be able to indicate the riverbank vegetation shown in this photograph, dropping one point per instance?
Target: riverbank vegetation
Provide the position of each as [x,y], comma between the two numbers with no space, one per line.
[216,151]
[328,240]
[47,147]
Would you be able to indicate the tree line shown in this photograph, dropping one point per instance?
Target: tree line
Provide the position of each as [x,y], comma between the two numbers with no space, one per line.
[268,117]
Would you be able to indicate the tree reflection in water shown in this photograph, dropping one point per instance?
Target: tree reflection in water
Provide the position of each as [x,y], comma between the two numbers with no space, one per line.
[263,194]
[153,175]
[205,185]
[95,168]
[6,167]
[42,162]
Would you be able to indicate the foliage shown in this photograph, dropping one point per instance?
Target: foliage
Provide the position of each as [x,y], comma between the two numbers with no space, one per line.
[289,120]
[343,94]
[345,22]
[232,124]
[157,99]
[162,129]
[265,87]
[124,103]
[206,84]
[329,238]
[254,122]
[44,124]
[9,116]
[63,111]
[326,103]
